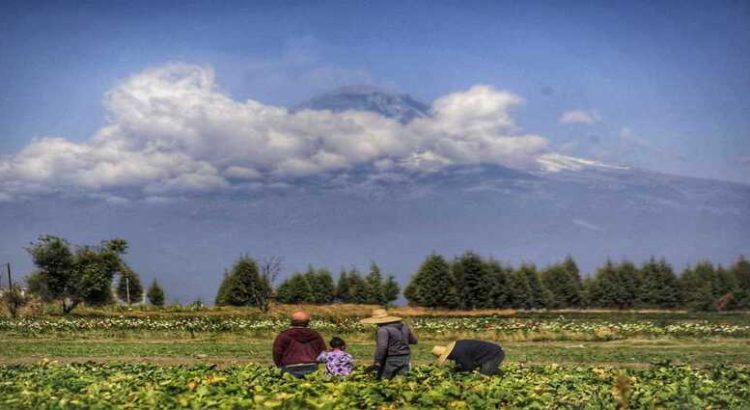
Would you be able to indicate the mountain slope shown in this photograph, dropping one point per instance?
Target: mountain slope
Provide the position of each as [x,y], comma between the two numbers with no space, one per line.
[397,106]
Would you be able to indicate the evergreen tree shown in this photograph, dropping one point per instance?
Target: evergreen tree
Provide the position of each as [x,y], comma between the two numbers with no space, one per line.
[520,290]
[374,281]
[726,282]
[614,286]
[433,285]
[573,290]
[321,284]
[473,279]
[342,288]
[741,272]
[295,289]
[499,279]
[390,290]
[243,285]
[698,286]
[358,292]
[537,292]
[129,288]
[155,294]
[659,285]
[563,283]
[629,283]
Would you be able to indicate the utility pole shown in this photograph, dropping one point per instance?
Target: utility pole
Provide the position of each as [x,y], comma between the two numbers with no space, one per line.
[10,281]
[127,288]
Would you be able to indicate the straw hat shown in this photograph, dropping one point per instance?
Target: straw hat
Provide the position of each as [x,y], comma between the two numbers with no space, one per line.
[442,352]
[380,316]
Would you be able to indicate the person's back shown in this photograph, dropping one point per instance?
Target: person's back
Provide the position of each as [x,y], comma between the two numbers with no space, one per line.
[392,351]
[296,349]
[469,355]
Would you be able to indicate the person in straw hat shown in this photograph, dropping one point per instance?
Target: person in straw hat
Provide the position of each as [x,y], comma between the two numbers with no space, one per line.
[469,355]
[392,352]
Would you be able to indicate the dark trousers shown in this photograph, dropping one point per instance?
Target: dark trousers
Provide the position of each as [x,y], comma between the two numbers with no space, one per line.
[395,365]
[492,365]
[299,370]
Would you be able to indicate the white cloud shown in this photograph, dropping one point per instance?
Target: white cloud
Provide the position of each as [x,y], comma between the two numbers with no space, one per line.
[171,129]
[579,117]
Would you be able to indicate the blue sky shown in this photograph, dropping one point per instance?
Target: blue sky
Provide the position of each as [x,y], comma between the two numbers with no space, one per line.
[660,86]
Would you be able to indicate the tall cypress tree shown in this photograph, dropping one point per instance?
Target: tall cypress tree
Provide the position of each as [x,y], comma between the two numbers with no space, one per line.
[659,285]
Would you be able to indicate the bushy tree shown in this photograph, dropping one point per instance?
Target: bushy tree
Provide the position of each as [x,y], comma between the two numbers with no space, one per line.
[155,294]
[129,288]
[659,285]
[243,285]
[72,277]
[433,285]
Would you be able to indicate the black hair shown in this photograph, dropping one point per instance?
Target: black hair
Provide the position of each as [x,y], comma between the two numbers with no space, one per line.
[337,343]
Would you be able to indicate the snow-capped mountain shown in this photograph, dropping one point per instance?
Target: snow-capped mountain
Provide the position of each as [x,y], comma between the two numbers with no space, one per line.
[588,209]
[365,98]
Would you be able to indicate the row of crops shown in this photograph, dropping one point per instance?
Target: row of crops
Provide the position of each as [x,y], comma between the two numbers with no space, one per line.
[146,386]
[609,329]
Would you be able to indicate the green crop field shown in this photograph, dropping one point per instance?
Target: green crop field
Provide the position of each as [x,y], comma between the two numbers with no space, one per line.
[222,360]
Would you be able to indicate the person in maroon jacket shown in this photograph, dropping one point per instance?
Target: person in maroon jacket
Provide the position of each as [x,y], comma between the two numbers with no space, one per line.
[296,349]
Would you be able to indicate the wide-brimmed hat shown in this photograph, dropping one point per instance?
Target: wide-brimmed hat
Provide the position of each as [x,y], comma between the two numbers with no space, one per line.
[380,316]
[442,352]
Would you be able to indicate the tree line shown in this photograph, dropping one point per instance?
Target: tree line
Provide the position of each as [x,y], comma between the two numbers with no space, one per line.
[470,282]
[73,274]
[247,284]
